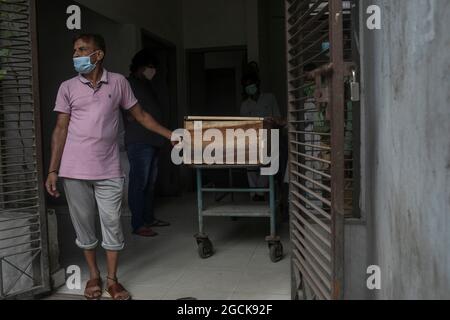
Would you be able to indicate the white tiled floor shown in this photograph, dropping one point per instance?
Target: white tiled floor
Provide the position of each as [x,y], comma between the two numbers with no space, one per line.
[168,267]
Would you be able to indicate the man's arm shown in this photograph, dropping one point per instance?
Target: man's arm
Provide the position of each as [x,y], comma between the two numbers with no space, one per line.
[58,143]
[148,122]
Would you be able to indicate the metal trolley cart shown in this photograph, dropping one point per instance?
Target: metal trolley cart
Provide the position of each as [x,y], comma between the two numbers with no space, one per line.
[205,246]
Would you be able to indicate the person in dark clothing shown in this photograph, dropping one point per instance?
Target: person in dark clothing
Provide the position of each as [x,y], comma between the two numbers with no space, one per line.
[143,147]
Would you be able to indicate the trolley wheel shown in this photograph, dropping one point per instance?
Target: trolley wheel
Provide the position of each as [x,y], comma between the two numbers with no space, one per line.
[205,248]
[276,252]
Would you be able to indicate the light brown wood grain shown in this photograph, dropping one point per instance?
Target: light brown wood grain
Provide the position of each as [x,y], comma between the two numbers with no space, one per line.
[223,124]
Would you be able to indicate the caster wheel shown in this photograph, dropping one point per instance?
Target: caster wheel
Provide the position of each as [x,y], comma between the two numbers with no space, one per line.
[205,249]
[276,252]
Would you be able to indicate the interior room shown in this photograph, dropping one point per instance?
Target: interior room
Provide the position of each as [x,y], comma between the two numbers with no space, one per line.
[202,58]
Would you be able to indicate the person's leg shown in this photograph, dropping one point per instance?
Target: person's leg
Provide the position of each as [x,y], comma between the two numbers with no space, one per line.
[138,157]
[262,183]
[150,218]
[112,261]
[108,194]
[252,180]
[149,209]
[81,200]
[91,260]
[114,288]
[112,258]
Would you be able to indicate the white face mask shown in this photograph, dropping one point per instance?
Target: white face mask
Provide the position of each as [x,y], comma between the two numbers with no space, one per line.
[149,73]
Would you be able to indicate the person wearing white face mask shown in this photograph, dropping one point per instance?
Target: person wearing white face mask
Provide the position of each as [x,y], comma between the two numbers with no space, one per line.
[143,147]
[262,105]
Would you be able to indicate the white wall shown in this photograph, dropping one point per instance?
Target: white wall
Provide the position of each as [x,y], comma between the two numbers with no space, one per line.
[406,148]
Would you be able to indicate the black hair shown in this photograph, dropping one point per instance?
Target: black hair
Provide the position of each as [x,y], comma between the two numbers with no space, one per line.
[251,77]
[97,39]
[143,58]
[252,67]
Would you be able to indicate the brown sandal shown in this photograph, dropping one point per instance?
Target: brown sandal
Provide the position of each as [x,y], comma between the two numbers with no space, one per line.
[117,291]
[96,286]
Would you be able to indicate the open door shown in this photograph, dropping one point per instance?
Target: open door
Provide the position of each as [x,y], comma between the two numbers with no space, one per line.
[24,269]
[319,64]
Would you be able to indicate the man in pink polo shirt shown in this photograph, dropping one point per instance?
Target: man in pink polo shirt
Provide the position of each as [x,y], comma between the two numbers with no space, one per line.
[85,153]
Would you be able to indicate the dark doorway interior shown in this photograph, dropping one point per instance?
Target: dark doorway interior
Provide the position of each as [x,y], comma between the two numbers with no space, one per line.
[214,81]
[220,92]
[214,89]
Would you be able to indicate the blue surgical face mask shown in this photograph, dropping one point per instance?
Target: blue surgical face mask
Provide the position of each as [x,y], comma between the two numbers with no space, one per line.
[83,65]
[326,48]
[251,90]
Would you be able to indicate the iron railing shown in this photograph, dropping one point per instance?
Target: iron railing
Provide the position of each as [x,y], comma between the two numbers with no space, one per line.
[319,49]
[23,248]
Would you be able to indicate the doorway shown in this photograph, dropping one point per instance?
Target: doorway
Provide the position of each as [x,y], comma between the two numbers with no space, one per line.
[214,89]
[214,81]
[152,269]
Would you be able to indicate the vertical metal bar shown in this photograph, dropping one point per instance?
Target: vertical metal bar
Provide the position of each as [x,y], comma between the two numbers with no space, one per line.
[3,152]
[2,293]
[273,230]
[200,201]
[230,176]
[44,258]
[356,110]
[295,280]
[337,145]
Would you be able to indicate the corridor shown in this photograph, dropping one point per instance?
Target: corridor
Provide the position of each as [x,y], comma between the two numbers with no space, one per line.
[168,267]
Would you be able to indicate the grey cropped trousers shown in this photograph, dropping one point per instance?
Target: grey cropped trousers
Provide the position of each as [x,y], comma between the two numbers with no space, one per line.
[86,199]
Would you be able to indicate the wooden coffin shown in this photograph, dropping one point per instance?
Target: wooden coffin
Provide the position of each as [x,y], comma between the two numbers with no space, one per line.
[195,125]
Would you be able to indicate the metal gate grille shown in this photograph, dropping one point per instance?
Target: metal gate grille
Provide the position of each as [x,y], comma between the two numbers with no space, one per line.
[23,252]
[317,46]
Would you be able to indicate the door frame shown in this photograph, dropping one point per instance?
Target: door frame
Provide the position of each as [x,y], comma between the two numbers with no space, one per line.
[317,229]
